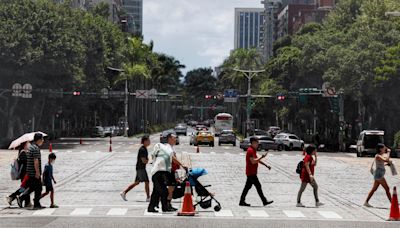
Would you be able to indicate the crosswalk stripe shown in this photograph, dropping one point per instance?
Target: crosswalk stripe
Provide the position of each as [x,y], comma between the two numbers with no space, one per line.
[81,211]
[329,215]
[117,211]
[227,153]
[258,213]
[44,212]
[69,151]
[212,153]
[271,155]
[224,213]
[294,214]
[146,213]
[83,151]
[242,154]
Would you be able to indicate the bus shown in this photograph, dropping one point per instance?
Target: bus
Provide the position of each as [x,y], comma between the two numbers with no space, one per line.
[223,121]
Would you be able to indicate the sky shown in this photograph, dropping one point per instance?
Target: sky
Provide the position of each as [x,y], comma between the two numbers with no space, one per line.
[199,33]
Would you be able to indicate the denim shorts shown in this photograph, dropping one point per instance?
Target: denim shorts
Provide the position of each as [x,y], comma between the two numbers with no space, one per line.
[379,173]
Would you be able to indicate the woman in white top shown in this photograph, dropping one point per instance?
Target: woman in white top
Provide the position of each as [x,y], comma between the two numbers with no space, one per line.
[382,158]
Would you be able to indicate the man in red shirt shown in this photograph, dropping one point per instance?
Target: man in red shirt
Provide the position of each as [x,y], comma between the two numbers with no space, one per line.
[251,171]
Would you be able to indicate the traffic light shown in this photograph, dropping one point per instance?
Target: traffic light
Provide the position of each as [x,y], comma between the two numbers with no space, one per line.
[208,97]
[281,97]
[76,93]
[334,104]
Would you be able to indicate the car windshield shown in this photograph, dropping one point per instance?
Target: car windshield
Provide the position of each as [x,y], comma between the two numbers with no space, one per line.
[280,136]
[370,141]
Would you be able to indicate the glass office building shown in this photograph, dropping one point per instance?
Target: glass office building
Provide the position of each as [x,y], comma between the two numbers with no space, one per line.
[134,13]
[248,23]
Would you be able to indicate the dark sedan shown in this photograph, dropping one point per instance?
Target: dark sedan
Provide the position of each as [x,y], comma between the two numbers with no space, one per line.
[265,143]
[227,137]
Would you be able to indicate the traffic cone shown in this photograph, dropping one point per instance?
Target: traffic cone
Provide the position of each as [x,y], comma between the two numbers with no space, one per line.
[394,209]
[198,149]
[80,141]
[187,208]
[51,148]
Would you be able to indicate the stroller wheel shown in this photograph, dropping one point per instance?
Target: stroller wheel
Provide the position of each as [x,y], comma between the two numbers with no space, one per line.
[217,208]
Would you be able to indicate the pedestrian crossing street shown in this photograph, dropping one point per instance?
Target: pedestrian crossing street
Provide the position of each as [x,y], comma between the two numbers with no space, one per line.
[140,211]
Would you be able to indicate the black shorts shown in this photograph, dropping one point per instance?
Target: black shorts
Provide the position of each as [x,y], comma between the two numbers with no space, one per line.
[141,176]
[49,188]
[171,179]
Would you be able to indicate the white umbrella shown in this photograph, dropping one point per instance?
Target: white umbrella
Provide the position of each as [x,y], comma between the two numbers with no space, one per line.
[25,138]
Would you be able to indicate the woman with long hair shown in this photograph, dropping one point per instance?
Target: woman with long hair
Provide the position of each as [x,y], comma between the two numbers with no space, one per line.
[382,158]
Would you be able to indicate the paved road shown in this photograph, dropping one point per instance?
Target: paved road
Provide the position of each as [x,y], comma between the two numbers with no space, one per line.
[90,179]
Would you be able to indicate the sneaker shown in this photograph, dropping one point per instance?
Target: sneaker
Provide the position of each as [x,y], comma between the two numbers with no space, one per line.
[9,200]
[148,199]
[28,204]
[300,205]
[152,210]
[53,206]
[268,202]
[244,204]
[319,204]
[19,201]
[366,204]
[123,196]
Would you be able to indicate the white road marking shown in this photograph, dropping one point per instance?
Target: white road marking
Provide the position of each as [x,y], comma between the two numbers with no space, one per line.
[226,147]
[98,151]
[224,213]
[44,212]
[69,151]
[81,211]
[227,153]
[271,155]
[83,151]
[241,153]
[258,213]
[330,215]
[55,151]
[152,214]
[212,152]
[294,214]
[285,155]
[117,211]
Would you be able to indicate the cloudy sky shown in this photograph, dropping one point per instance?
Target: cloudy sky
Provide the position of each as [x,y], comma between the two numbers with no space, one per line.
[199,33]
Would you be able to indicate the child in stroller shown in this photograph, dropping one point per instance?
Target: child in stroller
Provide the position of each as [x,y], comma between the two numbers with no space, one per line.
[206,197]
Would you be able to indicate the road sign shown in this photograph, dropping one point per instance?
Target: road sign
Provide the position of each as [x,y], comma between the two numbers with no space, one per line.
[328,90]
[24,91]
[152,94]
[16,90]
[230,96]
[142,94]
[230,99]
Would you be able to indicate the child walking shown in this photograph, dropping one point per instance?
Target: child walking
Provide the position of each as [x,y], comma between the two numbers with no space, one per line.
[48,179]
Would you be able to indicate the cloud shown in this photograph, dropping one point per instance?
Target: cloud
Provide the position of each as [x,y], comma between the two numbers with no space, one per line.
[199,33]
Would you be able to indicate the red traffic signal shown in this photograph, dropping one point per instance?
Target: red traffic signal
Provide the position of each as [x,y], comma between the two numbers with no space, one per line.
[76,93]
[281,98]
[208,97]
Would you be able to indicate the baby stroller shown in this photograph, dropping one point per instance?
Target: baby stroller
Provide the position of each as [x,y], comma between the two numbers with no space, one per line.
[205,196]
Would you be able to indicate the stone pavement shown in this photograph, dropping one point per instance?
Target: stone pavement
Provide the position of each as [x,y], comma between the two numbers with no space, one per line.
[90,179]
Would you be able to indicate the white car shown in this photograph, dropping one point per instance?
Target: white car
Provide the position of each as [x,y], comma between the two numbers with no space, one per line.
[289,141]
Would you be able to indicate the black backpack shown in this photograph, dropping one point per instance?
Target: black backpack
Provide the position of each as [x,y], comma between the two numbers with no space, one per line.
[299,167]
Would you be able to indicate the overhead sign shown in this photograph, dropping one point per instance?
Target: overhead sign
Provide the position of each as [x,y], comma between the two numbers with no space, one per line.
[24,91]
[230,96]
[328,90]
[230,99]
[142,94]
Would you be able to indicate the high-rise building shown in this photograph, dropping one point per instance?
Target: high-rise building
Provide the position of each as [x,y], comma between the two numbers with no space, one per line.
[248,23]
[269,28]
[114,8]
[134,16]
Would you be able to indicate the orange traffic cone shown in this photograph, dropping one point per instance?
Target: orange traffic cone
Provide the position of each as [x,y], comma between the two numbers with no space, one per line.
[198,149]
[80,141]
[110,149]
[394,209]
[51,148]
[187,208]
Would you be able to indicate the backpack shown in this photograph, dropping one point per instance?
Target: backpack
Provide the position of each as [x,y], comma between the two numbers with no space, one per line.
[299,167]
[15,170]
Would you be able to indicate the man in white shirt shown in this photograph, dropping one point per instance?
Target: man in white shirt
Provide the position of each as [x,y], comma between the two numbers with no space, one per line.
[163,156]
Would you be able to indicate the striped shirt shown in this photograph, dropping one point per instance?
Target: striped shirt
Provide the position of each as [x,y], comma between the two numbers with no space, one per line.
[34,152]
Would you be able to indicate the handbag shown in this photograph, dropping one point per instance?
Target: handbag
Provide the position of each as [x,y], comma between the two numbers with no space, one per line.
[372,170]
[393,168]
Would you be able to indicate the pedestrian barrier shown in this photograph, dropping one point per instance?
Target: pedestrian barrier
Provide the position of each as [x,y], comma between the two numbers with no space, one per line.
[187,208]
[394,209]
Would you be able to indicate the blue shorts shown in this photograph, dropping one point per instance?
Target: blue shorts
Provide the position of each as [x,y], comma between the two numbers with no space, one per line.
[379,173]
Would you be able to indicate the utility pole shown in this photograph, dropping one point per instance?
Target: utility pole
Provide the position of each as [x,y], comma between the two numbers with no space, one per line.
[341,121]
[249,74]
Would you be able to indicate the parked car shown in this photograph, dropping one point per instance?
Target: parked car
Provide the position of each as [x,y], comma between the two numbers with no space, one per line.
[367,141]
[204,137]
[110,131]
[164,134]
[97,131]
[181,129]
[265,143]
[289,141]
[273,131]
[259,132]
[227,137]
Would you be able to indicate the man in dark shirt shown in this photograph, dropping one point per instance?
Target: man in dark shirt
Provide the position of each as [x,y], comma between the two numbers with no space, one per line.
[251,172]
[34,171]
[141,173]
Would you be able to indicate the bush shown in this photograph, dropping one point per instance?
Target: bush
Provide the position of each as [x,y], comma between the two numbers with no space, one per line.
[397,140]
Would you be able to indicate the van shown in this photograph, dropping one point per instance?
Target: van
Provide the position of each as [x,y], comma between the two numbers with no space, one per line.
[367,141]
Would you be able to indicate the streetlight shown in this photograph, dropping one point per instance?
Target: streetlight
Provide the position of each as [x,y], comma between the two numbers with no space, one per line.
[126,99]
[249,74]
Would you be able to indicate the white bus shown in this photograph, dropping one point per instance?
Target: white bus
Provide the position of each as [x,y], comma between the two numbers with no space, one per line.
[223,121]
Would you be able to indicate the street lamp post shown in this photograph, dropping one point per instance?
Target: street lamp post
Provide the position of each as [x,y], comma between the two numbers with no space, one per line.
[249,74]
[126,100]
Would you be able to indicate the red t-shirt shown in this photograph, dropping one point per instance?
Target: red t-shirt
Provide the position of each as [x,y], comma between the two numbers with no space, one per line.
[251,169]
[305,177]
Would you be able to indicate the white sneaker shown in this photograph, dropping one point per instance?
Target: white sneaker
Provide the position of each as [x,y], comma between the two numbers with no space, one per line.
[300,205]
[9,200]
[148,199]
[123,196]
[318,204]
[366,204]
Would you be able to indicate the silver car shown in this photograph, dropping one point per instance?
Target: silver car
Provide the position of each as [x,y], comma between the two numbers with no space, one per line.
[181,129]
[227,137]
